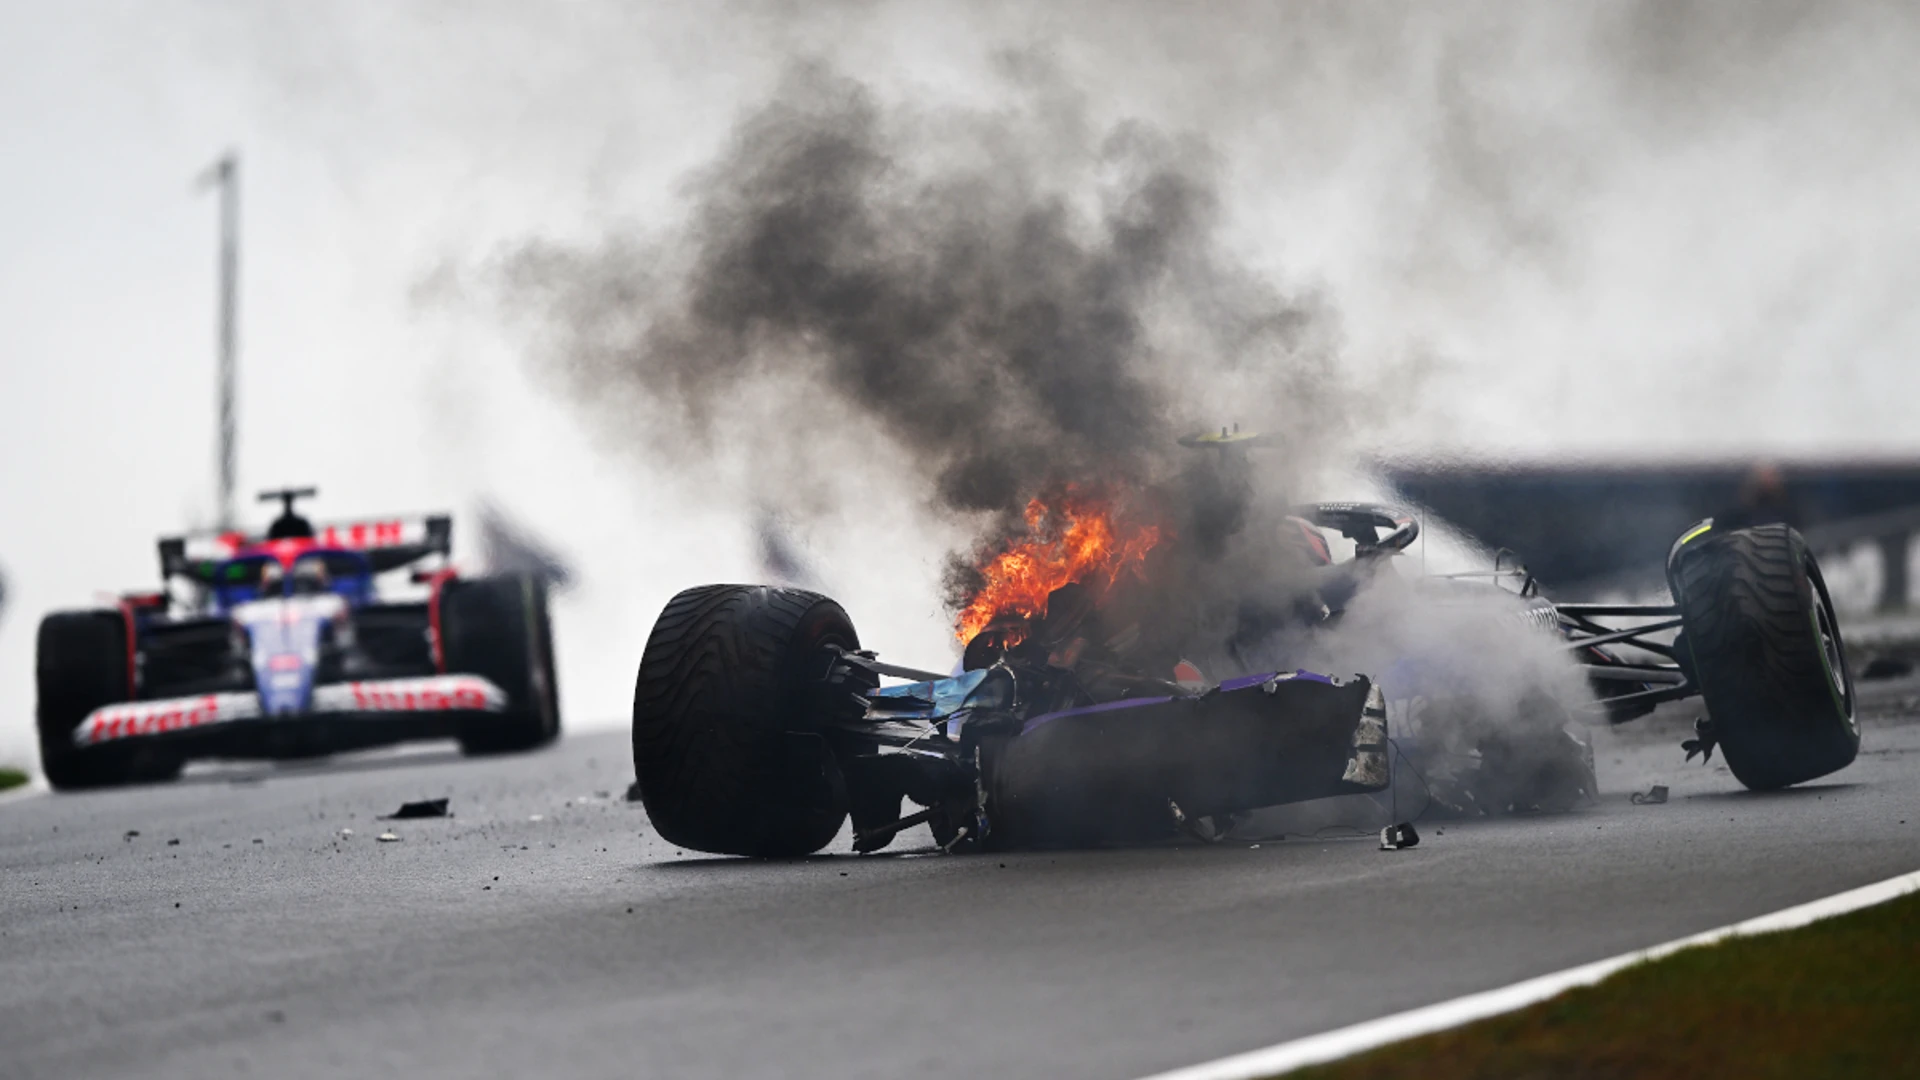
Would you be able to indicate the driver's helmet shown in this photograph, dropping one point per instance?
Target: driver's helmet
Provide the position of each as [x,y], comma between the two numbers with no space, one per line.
[310,577]
[271,577]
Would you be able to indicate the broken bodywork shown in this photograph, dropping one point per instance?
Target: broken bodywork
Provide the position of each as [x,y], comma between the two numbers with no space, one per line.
[1079,716]
[1128,770]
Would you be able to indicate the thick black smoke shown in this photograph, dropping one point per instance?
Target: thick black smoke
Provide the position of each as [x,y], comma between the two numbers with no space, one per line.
[1007,303]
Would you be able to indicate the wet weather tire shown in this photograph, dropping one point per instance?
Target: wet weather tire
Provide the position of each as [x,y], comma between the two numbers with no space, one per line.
[498,628]
[726,739]
[1766,649]
[81,664]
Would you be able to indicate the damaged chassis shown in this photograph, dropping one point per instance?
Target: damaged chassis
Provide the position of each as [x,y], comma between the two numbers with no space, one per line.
[760,725]
[992,771]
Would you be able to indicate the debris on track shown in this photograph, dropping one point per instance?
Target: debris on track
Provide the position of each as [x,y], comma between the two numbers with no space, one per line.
[425,808]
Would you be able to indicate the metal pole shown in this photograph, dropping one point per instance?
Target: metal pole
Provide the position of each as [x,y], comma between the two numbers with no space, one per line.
[226,172]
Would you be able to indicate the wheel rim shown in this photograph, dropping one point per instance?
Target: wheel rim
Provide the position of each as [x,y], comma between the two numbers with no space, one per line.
[1832,656]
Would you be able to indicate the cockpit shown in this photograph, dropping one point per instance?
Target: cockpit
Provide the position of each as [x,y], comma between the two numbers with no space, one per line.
[246,578]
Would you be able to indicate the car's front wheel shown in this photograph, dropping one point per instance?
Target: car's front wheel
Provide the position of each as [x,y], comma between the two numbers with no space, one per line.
[726,739]
[81,664]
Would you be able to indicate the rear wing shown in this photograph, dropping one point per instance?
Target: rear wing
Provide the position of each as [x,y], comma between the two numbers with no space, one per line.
[388,543]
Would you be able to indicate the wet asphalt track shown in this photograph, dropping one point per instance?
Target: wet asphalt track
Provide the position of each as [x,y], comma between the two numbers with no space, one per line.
[495,944]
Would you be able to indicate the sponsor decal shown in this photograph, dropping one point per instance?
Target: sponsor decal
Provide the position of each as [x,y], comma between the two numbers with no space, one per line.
[160,717]
[440,693]
[443,693]
[352,534]
[364,534]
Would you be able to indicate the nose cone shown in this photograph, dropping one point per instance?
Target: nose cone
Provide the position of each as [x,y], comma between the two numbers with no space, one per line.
[285,635]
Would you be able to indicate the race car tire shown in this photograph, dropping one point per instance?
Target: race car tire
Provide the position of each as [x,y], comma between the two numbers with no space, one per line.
[726,740]
[81,664]
[498,628]
[1765,646]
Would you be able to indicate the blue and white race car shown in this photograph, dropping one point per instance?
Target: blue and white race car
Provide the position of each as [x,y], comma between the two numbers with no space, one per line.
[281,645]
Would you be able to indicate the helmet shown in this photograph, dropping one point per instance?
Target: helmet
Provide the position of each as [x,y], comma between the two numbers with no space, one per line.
[310,577]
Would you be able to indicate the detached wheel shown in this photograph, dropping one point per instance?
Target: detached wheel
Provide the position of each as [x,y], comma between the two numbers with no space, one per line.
[498,628]
[81,665]
[1766,650]
[727,741]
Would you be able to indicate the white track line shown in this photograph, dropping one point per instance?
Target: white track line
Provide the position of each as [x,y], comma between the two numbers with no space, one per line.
[1314,1049]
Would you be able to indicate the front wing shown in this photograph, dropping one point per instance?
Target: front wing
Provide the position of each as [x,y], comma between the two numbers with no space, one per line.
[372,700]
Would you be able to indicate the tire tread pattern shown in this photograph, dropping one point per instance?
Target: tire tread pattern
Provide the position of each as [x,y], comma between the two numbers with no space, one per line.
[1747,598]
[722,746]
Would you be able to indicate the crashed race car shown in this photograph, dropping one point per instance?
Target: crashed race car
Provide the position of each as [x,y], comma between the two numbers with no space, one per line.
[281,646]
[761,725]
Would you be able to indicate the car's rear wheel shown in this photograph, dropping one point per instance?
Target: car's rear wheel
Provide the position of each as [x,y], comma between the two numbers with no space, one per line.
[498,628]
[727,744]
[81,664]
[1766,649]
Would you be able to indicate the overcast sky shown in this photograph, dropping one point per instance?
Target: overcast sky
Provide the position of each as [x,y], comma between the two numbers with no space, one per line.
[1624,230]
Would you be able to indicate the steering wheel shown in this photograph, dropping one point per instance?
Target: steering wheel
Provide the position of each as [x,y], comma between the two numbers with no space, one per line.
[1362,522]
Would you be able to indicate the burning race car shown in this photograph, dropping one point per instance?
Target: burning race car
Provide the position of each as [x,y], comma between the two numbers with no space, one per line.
[1076,717]
[279,646]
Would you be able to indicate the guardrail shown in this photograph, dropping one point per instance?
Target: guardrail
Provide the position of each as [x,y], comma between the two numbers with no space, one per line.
[1892,531]
[1584,527]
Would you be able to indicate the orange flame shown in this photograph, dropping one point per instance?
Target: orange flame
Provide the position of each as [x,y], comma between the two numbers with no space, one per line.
[1076,540]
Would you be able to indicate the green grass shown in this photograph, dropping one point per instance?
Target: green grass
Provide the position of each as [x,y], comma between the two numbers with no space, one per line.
[11,777]
[1839,998]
